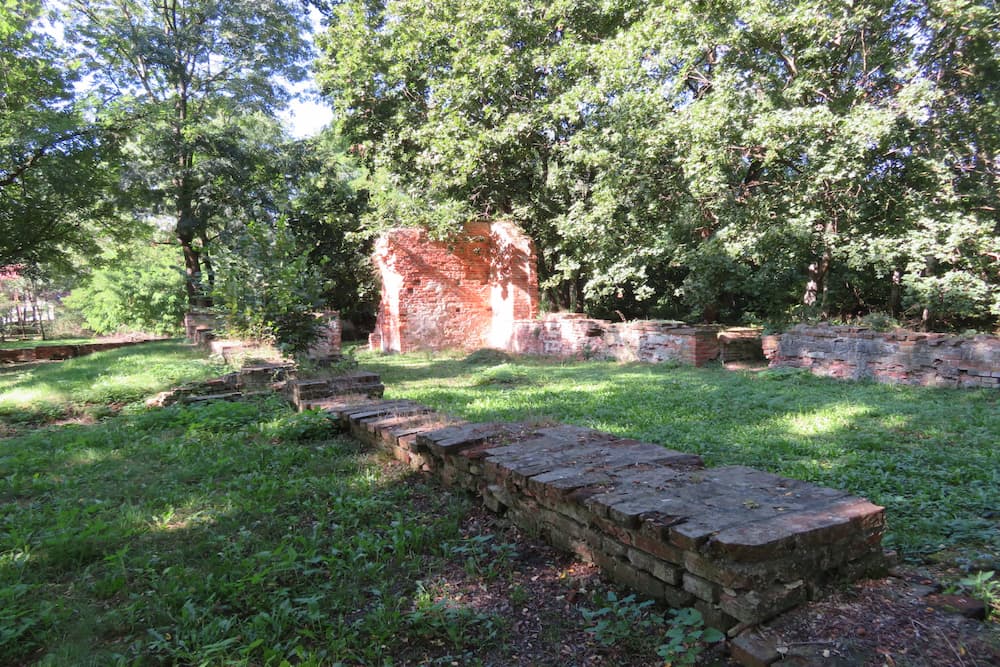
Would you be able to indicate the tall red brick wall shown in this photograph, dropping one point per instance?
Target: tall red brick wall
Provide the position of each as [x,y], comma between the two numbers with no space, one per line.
[465,292]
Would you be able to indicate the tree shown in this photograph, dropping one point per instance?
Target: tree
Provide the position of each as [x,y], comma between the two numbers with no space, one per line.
[136,287]
[181,69]
[55,167]
[718,160]
[326,204]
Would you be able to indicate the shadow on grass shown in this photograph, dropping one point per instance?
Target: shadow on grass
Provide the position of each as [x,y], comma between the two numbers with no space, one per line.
[189,534]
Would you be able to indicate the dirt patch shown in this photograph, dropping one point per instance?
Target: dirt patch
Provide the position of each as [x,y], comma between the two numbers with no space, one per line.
[891,621]
[533,596]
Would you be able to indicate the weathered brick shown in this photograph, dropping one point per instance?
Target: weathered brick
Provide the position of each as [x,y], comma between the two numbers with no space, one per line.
[750,606]
[701,588]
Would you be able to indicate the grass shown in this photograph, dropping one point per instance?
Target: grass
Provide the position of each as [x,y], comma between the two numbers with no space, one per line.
[18,344]
[245,534]
[233,533]
[929,455]
[86,386]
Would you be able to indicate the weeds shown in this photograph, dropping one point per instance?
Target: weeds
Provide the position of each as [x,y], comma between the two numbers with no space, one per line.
[627,621]
[620,619]
[983,586]
[687,638]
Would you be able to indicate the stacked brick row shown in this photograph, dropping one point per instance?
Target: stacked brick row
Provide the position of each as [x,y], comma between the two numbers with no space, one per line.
[60,352]
[250,380]
[900,357]
[738,544]
[576,336]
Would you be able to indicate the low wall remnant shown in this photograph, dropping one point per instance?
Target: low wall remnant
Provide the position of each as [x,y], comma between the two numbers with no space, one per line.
[63,352]
[573,335]
[899,357]
[738,544]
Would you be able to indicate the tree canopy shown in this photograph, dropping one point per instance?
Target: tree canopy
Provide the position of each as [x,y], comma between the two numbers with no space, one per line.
[187,73]
[56,168]
[756,159]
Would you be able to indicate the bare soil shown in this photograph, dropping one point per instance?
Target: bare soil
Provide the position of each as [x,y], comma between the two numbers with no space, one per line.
[899,620]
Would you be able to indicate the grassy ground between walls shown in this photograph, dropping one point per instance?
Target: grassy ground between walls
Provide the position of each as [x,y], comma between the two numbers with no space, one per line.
[931,456]
[19,344]
[92,385]
[246,534]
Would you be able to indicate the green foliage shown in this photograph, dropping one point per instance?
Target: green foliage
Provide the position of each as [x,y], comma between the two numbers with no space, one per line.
[720,160]
[482,556]
[327,200]
[618,619]
[435,618]
[984,587]
[622,620]
[194,82]
[686,638]
[137,288]
[56,169]
[270,289]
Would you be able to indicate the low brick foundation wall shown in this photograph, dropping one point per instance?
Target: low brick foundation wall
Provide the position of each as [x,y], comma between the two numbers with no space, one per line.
[738,544]
[902,357]
[572,335]
[63,352]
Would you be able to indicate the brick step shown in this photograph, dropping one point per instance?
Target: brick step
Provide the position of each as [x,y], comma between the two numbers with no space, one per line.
[358,382]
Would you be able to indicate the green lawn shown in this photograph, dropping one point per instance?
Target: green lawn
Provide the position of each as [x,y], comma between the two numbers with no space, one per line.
[931,456]
[18,344]
[247,534]
[36,393]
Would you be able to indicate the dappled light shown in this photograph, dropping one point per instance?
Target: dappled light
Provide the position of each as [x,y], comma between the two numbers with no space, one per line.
[927,454]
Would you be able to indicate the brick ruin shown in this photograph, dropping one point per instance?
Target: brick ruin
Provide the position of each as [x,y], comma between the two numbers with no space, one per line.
[897,357]
[466,292]
[200,328]
[573,335]
[739,545]
[63,352]
[481,290]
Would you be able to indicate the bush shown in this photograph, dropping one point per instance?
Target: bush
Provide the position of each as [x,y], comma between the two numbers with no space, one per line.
[269,289]
[137,288]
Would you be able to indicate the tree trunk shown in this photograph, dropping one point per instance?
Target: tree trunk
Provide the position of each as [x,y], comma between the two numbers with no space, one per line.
[896,292]
[815,293]
[816,284]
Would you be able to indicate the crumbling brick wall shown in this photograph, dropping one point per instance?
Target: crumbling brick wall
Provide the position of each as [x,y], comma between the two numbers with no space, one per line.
[899,357]
[575,335]
[465,292]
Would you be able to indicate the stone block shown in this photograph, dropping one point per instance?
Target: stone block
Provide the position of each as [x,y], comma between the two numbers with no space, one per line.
[752,606]
[701,588]
[751,649]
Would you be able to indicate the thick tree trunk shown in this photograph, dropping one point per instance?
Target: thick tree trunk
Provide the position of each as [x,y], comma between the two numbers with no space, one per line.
[816,283]
[815,292]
